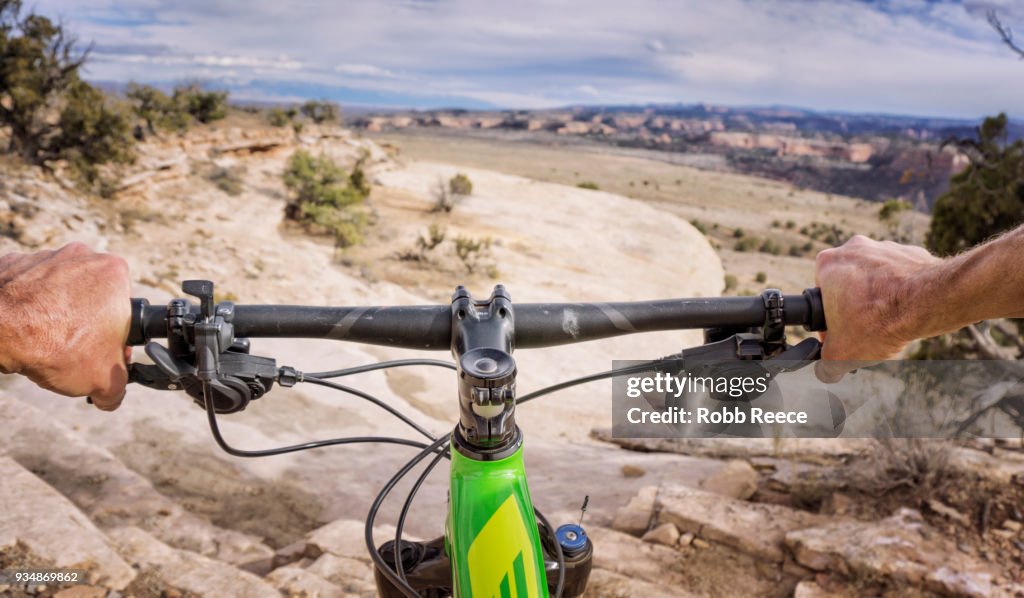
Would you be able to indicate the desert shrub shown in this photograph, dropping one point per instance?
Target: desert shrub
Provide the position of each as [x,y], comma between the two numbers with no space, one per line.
[324,198]
[746,244]
[157,109]
[281,117]
[321,111]
[984,199]
[795,251]
[761,277]
[589,185]
[731,282]
[93,132]
[769,246]
[790,224]
[39,79]
[738,233]
[776,223]
[204,105]
[891,208]
[460,185]
[700,226]
[228,180]
[447,195]
[435,236]
[443,200]
[473,253]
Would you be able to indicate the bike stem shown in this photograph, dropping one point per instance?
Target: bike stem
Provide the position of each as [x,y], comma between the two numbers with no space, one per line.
[483,334]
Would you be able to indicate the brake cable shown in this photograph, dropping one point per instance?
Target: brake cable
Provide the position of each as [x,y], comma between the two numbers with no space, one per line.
[382,365]
[371,516]
[211,416]
[639,367]
[362,395]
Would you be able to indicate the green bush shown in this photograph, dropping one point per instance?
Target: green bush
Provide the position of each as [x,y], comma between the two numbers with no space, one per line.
[700,226]
[472,252]
[738,233]
[769,246]
[39,77]
[761,277]
[281,117]
[435,236]
[589,185]
[93,132]
[746,244]
[324,198]
[984,199]
[891,208]
[731,282]
[321,111]
[204,105]
[157,109]
[460,185]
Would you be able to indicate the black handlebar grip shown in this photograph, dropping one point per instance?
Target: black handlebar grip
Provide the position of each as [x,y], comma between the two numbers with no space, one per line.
[815,309]
[137,329]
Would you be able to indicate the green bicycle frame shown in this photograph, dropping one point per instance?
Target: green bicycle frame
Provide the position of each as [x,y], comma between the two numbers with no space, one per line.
[491,532]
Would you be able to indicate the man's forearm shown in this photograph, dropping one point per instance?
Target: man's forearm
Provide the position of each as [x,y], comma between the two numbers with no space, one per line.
[984,283]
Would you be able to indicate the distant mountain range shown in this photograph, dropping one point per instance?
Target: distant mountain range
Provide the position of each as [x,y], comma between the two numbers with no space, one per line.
[873,156]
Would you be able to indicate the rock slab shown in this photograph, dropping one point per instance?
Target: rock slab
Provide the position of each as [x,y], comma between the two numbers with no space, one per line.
[49,526]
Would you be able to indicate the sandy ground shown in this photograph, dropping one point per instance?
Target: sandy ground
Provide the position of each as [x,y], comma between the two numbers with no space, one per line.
[552,243]
[760,207]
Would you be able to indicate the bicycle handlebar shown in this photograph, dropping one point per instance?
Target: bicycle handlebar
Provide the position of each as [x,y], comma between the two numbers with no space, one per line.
[536,324]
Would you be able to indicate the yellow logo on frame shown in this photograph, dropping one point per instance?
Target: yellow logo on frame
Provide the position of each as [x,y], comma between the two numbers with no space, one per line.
[501,559]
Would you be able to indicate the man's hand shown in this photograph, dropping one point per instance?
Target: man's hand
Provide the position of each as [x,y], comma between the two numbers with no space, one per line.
[868,292]
[64,318]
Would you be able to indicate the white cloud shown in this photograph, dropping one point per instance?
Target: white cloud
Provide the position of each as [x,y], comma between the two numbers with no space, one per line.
[912,56]
[363,70]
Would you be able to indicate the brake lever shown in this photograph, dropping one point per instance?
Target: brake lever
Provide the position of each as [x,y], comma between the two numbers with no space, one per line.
[799,355]
[165,373]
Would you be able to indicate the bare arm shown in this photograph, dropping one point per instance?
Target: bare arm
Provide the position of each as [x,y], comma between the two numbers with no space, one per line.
[64,319]
[879,296]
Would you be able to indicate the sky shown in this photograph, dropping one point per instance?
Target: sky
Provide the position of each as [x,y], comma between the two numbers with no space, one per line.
[916,57]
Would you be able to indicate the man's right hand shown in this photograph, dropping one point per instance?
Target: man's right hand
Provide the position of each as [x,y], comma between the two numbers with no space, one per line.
[868,291]
[64,318]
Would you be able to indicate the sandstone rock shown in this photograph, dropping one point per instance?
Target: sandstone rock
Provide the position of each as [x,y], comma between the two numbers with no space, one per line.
[49,526]
[822,451]
[294,552]
[894,548]
[947,511]
[752,528]
[736,480]
[345,537]
[299,583]
[81,592]
[810,589]
[189,571]
[115,496]
[635,517]
[351,575]
[626,555]
[606,584]
[666,534]
[685,539]
[999,470]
